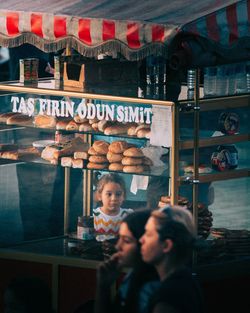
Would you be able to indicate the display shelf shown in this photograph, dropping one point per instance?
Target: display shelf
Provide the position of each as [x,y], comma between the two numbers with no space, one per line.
[5,127]
[218,103]
[218,176]
[214,141]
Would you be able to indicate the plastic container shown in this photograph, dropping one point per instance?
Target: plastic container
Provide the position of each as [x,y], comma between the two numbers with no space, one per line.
[210,81]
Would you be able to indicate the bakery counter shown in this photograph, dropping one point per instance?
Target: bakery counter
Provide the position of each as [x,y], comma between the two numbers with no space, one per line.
[63,250]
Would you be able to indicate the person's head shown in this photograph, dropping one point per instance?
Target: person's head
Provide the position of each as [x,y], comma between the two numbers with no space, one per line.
[111,191]
[169,236]
[27,295]
[128,245]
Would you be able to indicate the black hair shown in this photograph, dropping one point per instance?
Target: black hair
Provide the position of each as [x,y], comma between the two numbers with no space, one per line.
[142,272]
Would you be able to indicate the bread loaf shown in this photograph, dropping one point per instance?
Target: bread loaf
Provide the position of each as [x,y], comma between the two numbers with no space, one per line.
[133,169]
[101,146]
[118,146]
[61,125]
[80,120]
[85,127]
[144,133]
[93,120]
[72,125]
[133,152]
[5,116]
[98,159]
[132,130]
[11,155]
[81,155]
[45,121]
[103,124]
[95,127]
[66,161]
[98,166]
[19,119]
[116,167]
[48,153]
[132,161]
[92,151]
[114,157]
[77,163]
[118,129]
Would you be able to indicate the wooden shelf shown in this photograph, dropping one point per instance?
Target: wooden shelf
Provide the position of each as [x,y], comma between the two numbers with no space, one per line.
[214,141]
[217,176]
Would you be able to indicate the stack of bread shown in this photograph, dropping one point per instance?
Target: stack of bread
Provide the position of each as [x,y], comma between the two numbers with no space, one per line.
[98,155]
[205,219]
[133,161]
[53,153]
[115,155]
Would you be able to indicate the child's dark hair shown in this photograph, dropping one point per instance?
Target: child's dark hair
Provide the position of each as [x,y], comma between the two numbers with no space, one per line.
[111,178]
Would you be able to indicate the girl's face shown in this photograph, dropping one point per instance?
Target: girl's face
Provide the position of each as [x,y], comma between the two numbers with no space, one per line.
[112,197]
[151,246]
[126,247]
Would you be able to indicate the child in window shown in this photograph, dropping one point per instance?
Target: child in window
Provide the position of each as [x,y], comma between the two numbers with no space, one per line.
[111,192]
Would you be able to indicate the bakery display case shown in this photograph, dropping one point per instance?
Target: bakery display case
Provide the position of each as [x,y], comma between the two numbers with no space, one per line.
[55,142]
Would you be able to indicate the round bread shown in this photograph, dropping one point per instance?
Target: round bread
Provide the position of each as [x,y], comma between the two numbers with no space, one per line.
[133,169]
[92,151]
[98,159]
[100,146]
[133,152]
[118,146]
[132,161]
[116,167]
[98,166]
[114,157]
[85,127]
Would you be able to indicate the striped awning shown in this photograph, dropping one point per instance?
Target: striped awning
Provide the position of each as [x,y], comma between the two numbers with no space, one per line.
[133,28]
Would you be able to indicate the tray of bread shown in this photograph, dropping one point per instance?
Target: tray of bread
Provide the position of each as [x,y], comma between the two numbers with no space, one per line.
[77,124]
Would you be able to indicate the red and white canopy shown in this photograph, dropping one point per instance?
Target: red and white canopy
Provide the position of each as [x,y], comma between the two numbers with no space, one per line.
[133,28]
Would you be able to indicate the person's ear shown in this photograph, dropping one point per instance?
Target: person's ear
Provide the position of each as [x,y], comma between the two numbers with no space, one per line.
[168,245]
